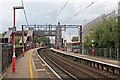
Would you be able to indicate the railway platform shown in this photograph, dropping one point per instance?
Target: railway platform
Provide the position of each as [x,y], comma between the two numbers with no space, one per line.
[101,63]
[29,66]
[35,65]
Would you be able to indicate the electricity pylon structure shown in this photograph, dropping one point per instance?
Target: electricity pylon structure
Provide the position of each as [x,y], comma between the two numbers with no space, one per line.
[51,30]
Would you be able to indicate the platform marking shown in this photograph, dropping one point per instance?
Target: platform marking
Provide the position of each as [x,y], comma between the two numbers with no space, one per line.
[33,64]
[43,65]
[30,64]
[40,69]
[50,67]
[35,67]
[36,59]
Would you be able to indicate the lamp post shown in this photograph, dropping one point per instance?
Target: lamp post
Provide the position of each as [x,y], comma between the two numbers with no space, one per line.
[14,40]
[80,32]
[92,41]
[22,41]
[82,46]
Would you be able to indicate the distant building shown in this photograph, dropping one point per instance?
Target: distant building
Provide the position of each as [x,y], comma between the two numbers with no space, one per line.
[93,23]
[73,46]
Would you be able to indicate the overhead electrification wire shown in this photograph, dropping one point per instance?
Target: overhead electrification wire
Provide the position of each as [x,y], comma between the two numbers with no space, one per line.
[24,12]
[59,12]
[80,11]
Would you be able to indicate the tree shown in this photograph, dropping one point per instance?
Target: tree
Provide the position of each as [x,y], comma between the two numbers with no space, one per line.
[87,41]
[45,41]
[17,40]
[75,38]
[105,34]
[3,34]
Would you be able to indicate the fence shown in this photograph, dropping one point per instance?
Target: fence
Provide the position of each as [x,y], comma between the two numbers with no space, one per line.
[6,52]
[6,56]
[110,53]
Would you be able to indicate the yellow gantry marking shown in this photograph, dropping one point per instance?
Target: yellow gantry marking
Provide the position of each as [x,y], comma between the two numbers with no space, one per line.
[30,64]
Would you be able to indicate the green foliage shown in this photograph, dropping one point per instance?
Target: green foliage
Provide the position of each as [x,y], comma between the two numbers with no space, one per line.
[105,34]
[17,41]
[3,34]
[75,38]
[45,41]
[74,59]
[87,41]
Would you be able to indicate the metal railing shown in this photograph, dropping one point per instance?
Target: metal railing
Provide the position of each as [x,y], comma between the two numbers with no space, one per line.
[6,52]
[110,53]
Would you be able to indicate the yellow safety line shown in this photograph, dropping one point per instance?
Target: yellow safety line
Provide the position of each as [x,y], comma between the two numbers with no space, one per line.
[30,64]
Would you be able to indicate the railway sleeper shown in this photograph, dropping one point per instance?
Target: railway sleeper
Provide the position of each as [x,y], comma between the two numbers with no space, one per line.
[91,63]
[81,69]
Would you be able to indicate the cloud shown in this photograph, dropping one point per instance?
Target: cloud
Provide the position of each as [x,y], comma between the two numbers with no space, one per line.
[7,15]
[80,4]
[98,8]
[49,11]
[43,0]
[43,11]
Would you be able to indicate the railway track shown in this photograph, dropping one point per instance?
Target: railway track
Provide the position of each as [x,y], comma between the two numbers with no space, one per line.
[75,70]
[59,70]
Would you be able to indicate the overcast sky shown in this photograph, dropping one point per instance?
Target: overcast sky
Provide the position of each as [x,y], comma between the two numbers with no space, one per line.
[43,11]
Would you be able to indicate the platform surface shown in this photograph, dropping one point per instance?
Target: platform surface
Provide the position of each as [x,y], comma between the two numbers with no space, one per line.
[115,63]
[29,66]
